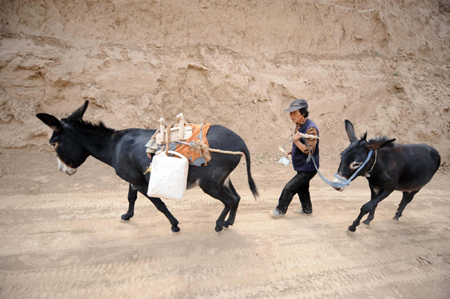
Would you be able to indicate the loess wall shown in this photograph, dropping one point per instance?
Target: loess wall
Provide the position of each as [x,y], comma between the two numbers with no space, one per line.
[384,65]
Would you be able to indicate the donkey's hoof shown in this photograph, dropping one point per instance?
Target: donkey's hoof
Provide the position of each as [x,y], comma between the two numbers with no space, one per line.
[366,222]
[219,229]
[395,218]
[351,229]
[126,217]
[174,230]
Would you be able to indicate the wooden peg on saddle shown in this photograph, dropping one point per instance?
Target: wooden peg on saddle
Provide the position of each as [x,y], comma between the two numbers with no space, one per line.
[161,138]
[181,123]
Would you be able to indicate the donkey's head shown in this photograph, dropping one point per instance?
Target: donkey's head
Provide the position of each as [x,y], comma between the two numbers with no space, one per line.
[69,152]
[353,157]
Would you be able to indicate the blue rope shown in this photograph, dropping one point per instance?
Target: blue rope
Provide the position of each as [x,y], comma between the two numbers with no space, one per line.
[337,184]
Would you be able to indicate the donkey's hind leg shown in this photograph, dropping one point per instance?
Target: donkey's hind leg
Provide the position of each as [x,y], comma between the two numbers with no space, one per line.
[233,211]
[132,196]
[406,199]
[219,192]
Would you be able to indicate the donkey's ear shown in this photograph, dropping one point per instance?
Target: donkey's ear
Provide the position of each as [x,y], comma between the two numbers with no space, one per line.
[350,131]
[78,114]
[364,137]
[376,144]
[50,121]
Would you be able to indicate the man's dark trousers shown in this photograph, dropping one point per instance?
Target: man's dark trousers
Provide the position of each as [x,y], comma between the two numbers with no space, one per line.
[299,184]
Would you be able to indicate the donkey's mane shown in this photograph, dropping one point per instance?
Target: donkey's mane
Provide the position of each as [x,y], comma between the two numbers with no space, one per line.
[381,139]
[100,127]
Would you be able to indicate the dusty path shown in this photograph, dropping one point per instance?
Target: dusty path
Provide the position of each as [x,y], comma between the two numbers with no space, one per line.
[61,237]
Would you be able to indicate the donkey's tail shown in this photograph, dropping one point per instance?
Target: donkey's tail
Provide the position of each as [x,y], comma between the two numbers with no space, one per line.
[251,182]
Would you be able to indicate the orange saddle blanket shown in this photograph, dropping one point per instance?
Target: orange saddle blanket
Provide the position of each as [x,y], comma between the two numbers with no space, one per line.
[195,157]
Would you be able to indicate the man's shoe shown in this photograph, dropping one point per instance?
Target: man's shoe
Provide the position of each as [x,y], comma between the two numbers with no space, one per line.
[277,213]
[301,211]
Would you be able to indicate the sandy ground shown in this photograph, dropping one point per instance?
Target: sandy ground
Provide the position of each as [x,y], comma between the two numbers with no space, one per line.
[384,65]
[62,237]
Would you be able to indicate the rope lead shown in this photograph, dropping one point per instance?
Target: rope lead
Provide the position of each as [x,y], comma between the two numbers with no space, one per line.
[336,184]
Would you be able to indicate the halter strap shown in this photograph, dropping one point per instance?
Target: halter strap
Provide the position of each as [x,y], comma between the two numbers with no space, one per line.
[374,162]
[344,182]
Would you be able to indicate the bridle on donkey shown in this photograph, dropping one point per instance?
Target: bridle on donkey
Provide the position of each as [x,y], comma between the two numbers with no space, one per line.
[343,182]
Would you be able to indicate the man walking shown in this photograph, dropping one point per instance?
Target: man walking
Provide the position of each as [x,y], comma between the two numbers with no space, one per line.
[299,184]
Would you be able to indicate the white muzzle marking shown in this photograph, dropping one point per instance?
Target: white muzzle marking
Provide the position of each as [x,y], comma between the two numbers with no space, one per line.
[64,168]
[340,180]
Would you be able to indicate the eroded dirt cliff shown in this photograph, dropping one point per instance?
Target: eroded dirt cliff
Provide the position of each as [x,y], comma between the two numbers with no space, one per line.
[382,64]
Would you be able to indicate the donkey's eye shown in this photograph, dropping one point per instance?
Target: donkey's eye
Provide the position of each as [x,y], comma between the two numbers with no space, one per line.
[355,165]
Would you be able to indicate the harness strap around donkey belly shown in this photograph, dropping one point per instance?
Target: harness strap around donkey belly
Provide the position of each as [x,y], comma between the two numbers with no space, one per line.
[344,182]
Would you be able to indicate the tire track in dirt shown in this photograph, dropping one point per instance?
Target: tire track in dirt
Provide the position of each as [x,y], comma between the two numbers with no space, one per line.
[80,249]
[331,279]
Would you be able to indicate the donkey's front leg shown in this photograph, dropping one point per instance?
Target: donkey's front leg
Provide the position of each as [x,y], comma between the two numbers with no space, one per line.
[367,207]
[132,196]
[371,216]
[161,206]
[373,193]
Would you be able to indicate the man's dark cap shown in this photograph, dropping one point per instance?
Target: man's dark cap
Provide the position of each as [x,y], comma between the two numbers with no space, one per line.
[296,105]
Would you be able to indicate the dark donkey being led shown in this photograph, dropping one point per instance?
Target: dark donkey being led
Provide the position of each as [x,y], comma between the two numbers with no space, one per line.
[75,139]
[388,166]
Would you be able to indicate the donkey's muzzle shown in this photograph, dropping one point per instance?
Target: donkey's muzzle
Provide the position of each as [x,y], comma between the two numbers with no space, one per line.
[340,181]
[64,168]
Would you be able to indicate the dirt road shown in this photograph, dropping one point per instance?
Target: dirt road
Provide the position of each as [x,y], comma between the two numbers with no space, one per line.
[62,237]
